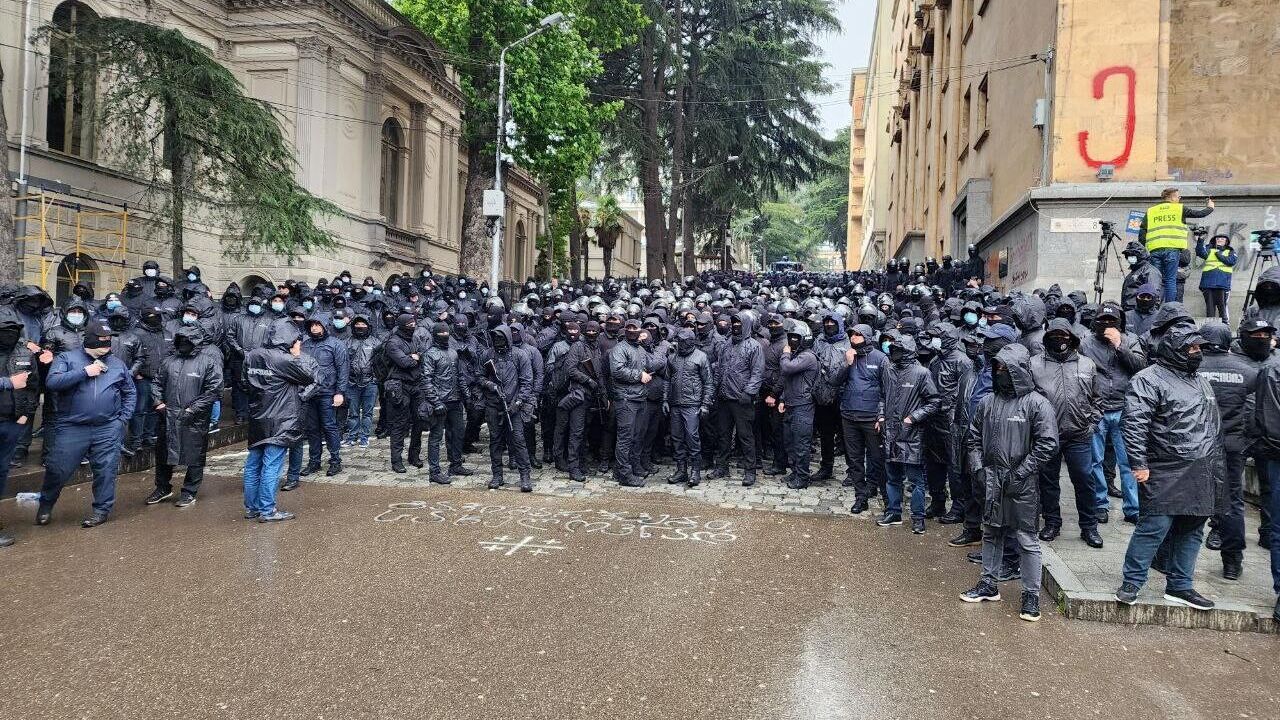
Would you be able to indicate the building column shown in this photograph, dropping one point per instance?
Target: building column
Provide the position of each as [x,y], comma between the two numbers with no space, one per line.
[310,117]
[375,90]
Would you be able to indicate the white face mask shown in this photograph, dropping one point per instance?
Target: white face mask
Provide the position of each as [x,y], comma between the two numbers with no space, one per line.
[1132,260]
[97,353]
[395,288]
[76,319]
[150,272]
[278,307]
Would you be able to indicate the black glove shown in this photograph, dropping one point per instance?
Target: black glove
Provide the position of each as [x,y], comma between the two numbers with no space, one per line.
[666,408]
[439,410]
[704,412]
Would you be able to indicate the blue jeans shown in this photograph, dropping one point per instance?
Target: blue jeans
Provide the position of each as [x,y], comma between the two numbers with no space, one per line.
[322,429]
[1109,431]
[362,398]
[1166,261]
[1079,459]
[101,444]
[1271,468]
[142,426]
[297,453]
[215,415]
[261,475]
[10,432]
[1184,536]
[895,474]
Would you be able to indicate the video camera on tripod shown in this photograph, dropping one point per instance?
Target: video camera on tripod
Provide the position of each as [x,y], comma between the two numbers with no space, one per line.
[1104,244]
[1266,242]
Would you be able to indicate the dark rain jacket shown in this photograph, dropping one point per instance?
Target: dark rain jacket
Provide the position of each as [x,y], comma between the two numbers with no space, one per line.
[1172,428]
[360,356]
[442,373]
[1233,377]
[332,364]
[64,336]
[830,354]
[689,378]
[129,345]
[1115,366]
[741,365]
[17,403]
[626,362]
[948,367]
[799,374]
[1144,273]
[1028,315]
[84,400]
[1071,385]
[188,385]
[908,392]
[1009,438]
[1270,312]
[276,379]
[862,397]
[513,378]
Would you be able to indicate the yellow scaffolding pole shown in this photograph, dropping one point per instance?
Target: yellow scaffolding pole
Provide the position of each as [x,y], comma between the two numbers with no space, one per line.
[85,242]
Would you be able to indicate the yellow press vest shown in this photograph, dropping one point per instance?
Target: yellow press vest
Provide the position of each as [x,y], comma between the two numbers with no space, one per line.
[1211,262]
[1165,228]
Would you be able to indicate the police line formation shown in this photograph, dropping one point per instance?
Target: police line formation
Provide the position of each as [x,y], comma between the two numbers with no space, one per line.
[938,390]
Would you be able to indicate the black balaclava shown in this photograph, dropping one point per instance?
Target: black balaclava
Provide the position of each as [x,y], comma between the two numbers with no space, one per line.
[183,345]
[572,332]
[776,328]
[1257,348]
[612,326]
[499,341]
[686,342]
[1057,345]
[440,335]
[735,326]
[632,332]
[360,329]
[406,324]
[723,325]
[1001,379]
[163,289]
[388,320]
[461,326]
[1145,303]
[991,346]
[591,332]
[10,333]
[118,322]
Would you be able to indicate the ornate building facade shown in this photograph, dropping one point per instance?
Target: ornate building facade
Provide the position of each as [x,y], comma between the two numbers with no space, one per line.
[370,104]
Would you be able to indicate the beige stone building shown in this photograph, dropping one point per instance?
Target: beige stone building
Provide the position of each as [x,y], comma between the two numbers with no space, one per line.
[371,105]
[857,164]
[1017,125]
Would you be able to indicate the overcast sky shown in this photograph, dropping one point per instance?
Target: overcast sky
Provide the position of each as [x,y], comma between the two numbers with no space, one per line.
[843,52]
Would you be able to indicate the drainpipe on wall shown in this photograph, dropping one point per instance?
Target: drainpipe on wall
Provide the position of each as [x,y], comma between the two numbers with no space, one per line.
[28,80]
[1162,92]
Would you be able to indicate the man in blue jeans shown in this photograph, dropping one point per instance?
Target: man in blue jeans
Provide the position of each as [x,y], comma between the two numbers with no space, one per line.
[275,375]
[910,398]
[321,410]
[1117,357]
[1172,431]
[1164,233]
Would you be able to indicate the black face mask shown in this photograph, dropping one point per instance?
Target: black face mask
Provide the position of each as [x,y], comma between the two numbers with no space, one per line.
[118,323]
[776,331]
[1257,348]
[1002,381]
[794,342]
[460,331]
[500,343]
[685,347]
[152,321]
[1057,346]
[184,346]
[633,335]
[736,328]
[95,342]
[898,354]
[722,328]
[361,331]
[1267,294]
[830,329]
[164,291]
[1145,305]
[388,322]
[1100,326]
[441,341]
[317,336]
[590,337]
[572,336]
[9,338]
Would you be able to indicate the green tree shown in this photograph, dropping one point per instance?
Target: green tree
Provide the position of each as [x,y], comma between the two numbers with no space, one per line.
[176,118]
[556,121]
[826,199]
[778,228]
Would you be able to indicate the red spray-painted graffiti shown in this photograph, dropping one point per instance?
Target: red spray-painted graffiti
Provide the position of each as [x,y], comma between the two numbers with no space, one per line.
[1131,113]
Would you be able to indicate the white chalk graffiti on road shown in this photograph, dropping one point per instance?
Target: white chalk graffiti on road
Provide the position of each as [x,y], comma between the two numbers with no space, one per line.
[644,526]
[528,544]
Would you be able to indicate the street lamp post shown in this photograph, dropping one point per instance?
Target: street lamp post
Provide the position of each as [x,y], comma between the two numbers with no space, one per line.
[495,262]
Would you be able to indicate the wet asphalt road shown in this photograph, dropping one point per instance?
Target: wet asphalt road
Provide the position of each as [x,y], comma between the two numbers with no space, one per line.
[361,610]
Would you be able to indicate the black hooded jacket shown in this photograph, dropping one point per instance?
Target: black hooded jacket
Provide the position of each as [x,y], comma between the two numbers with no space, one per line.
[276,380]
[741,365]
[1010,437]
[689,376]
[188,384]
[908,391]
[1071,383]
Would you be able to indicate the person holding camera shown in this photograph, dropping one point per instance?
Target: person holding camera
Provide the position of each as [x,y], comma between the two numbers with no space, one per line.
[1164,233]
[1215,278]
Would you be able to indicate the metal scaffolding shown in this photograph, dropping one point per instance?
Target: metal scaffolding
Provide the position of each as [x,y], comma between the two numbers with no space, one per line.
[86,243]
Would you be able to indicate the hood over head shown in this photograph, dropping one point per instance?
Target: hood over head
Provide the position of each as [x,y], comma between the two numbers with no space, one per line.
[283,334]
[1016,358]
[1217,335]
[1169,315]
[1172,351]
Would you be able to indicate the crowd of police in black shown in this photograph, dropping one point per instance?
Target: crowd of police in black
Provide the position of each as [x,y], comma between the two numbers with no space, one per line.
[938,390]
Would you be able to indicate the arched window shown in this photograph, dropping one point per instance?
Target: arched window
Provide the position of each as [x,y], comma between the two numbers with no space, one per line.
[250,282]
[72,81]
[74,268]
[392,149]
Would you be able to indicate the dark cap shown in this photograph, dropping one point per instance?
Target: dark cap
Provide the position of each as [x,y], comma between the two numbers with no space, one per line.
[1256,324]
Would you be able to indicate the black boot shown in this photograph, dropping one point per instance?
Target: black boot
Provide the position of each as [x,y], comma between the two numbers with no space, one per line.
[825,472]
[695,478]
[1112,490]
[310,468]
[680,476]
[526,483]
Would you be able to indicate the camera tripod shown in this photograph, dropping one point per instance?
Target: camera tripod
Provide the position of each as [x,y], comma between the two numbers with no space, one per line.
[1109,236]
[1266,256]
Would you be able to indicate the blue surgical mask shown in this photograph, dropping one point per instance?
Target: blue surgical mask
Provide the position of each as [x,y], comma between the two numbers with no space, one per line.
[982,322]
[277,306]
[113,304]
[255,309]
[75,318]
[377,291]
[884,347]
[307,304]
[189,319]
[935,343]
[971,318]
[395,288]
[150,272]
[193,277]
[339,323]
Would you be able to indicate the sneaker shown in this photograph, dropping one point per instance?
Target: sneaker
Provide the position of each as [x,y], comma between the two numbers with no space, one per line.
[252,514]
[93,520]
[917,526]
[1131,519]
[974,557]
[289,485]
[982,592]
[187,500]
[888,519]
[277,516]
[953,517]
[966,538]
[494,484]
[460,471]
[1190,598]
[334,469]
[6,540]
[364,443]
[213,429]
[1104,516]
[1127,594]
[310,468]
[1049,533]
[440,479]
[1010,573]
[1030,607]
[158,496]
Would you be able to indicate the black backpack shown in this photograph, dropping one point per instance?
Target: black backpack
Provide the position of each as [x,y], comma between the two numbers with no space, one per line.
[379,364]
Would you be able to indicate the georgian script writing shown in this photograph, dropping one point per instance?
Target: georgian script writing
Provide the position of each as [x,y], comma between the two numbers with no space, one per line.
[644,526]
